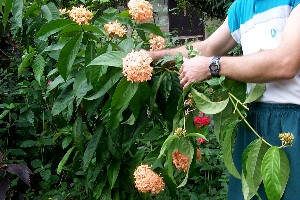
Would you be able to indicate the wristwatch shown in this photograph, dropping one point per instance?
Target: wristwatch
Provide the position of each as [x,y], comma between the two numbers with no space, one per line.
[214,66]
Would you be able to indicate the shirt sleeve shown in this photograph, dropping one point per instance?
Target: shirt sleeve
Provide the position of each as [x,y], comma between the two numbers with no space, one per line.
[234,21]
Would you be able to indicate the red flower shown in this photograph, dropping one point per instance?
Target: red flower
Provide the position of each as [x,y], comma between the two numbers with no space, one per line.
[200,121]
[201,140]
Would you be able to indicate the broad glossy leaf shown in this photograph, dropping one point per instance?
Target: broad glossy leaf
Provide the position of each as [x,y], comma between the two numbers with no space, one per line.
[166,143]
[64,160]
[91,148]
[90,52]
[127,45]
[25,62]
[93,29]
[99,187]
[152,28]
[50,11]
[284,170]
[7,9]
[17,11]
[77,134]
[68,55]
[113,172]
[155,88]
[271,173]
[38,66]
[63,100]
[81,87]
[227,147]
[166,86]
[205,105]
[114,59]
[256,92]
[52,27]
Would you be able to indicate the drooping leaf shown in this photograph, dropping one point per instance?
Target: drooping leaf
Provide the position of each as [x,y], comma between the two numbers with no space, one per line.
[127,45]
[7,9]
[81,87]
[271,173]
[113,171]
[284,170]
[50,11]
[63,100]
[77,134]
[113,59]
[38,66]
[90,150]
[166,86]
[166,143]
[25,62]
[90,52]
[227,147]
[204,104]
[17,11]
[99,187]
[151,28]
[64,160]
[68,55]
[52,27]
[256,92]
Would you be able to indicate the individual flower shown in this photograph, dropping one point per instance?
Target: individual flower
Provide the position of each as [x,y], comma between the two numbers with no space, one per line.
[140,10]
[201,140]
[180,132]
[115,29]
[156,42]
[201,120]
[180,160]
[199,156]
[286,139]
[136,66]
[49,83]
[62,11]
[147,180]
[81,15]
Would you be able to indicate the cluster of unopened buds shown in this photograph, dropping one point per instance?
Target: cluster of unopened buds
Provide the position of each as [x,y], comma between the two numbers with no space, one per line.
[81,15]
[136,66]
[140,10]
[180,132]
[286,139]
[147,180]
[115,29]
[157,42]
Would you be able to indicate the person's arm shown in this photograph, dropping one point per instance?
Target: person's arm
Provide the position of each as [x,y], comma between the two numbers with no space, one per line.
[280,63]
[219,43]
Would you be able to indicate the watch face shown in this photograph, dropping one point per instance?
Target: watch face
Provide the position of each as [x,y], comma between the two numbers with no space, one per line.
[214,67]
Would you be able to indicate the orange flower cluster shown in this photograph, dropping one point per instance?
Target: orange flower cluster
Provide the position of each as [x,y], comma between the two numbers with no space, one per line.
[140,10]
[80,15]
[147,180]
[199,156]
[136,66]
[115,28]
[181,161]
[157,42]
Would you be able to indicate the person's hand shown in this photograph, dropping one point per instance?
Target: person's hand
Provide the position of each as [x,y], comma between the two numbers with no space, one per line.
[194,70]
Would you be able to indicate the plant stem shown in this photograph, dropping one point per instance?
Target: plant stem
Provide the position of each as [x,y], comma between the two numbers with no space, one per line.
[238,101]
[247,123]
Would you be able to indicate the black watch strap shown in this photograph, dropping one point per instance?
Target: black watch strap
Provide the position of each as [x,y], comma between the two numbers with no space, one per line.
[214,66]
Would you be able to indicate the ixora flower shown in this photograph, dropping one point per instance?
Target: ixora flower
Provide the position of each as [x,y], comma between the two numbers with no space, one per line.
[81,15]
[147,180]
[140,10]
[201,120]
[201,140]
[156,42]
[115,29]
[136,66]
[180,160]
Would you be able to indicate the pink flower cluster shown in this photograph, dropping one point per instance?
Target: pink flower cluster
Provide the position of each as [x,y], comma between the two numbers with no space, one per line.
[140,10]
[147,180]
[115,29]
[180,160]
[80,15]
[136,66]
[201,120]
[157,42]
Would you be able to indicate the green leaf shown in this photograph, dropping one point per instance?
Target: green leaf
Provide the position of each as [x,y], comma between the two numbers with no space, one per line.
[50,11]
[152,28]
[17,11]
[7,9]
[91,147]
[271,173]
[113,172]
[64,160]
[256,92]
[52,27]
[166,143]
[99,187]
[113,59]
[127,45]
[155,88]
[63,100]
[90,52]
[81,87]
[38,66]
[29,143]
[25,62]
[284,170]
[93,29]
[68,55]
[205,105]
[120,101]
[166,86]
[77,134]
[227,147]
